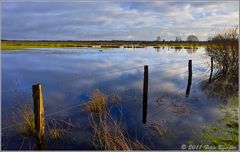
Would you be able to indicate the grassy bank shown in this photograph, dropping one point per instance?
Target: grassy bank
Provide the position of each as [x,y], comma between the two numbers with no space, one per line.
[223,135]
[15,45]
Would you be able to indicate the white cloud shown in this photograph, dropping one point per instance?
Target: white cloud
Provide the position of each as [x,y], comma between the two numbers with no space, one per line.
[130,37]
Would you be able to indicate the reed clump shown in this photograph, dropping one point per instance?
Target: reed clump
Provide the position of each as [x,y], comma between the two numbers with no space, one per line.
[108,134]
[98,102]
[56,130]
[55,134]
[27,127]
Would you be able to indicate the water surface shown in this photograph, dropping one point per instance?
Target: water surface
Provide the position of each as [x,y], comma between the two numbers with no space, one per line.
[69,76]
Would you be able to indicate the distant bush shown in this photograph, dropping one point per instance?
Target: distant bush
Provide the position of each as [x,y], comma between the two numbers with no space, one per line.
[192,38]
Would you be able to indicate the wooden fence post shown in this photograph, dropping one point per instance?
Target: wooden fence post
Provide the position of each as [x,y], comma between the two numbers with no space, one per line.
[145,94]
[38,114]
[189,78]
[210,78]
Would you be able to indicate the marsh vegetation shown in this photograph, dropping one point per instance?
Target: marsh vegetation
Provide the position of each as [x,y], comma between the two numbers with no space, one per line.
[16,45]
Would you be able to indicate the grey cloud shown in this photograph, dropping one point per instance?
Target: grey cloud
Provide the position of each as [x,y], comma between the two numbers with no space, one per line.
[115,20]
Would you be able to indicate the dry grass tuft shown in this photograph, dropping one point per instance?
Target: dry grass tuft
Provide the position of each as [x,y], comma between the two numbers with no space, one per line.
[98,103]
[55,129]
[27,127]
[109,135]
[55,132]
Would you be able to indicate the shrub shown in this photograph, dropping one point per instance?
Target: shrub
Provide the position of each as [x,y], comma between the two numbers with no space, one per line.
[223,47]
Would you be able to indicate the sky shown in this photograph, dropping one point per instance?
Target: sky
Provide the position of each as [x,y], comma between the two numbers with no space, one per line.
[117,20]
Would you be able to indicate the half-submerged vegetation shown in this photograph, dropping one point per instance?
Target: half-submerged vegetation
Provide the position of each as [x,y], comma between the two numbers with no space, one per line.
[27,127]
[98,103]
[55,129]
[108,133]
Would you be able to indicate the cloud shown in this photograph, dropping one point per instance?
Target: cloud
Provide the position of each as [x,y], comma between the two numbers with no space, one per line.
[116,20]
[130,37]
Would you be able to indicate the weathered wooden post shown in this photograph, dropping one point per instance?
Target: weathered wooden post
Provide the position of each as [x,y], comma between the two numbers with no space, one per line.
[38,114]
[145,94]
[210,78]
[189,78]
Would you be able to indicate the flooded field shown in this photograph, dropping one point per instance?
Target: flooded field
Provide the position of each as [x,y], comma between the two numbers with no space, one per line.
[69,77]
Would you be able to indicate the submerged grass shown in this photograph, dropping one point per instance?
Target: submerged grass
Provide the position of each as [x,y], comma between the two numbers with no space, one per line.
[159,129]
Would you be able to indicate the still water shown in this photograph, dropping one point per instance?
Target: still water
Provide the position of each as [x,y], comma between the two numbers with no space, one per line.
[69,76]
